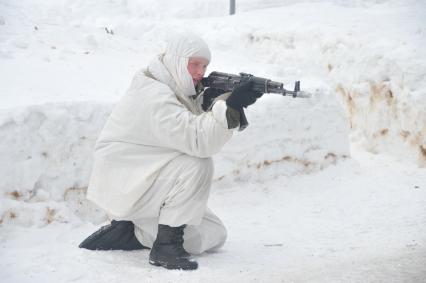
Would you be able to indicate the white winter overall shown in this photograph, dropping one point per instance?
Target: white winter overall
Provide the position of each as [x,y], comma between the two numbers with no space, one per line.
[153,158]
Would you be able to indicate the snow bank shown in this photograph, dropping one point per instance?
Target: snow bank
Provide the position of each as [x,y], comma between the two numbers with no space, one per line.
[47,153]
[387,104]
[286,136]
[46,158]
[378,73]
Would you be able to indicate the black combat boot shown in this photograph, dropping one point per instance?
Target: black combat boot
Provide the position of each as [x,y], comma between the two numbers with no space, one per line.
[168,251]
[119,235]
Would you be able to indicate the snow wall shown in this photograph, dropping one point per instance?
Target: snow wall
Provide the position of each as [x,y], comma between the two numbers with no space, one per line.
[47,153]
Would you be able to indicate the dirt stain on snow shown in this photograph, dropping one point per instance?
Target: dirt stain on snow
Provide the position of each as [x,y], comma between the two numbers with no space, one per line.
[50,215]
[15,195]
[383,105]
[8,214]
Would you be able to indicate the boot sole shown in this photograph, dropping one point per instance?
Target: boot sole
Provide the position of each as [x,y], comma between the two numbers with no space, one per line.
[172,266]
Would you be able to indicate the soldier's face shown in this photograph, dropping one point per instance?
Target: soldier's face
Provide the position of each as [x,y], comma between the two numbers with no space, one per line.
[197,67]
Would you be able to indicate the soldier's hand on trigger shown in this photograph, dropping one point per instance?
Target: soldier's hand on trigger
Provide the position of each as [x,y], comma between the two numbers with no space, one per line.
[209,95]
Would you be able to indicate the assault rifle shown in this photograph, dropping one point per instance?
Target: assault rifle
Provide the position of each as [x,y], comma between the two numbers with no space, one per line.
[228,82]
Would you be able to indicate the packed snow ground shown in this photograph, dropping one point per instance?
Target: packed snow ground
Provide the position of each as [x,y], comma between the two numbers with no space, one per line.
[297,206]
[362,220]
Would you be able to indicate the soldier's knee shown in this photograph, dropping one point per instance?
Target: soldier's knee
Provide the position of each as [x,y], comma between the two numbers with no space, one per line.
[222,236]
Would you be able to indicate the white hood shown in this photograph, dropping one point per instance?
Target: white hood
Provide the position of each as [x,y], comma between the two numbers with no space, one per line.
[175,62]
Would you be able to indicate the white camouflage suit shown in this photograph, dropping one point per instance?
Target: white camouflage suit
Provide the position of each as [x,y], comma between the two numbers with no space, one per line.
[153,158]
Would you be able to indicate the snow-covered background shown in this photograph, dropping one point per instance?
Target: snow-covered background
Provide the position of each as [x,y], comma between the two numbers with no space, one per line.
[327,189]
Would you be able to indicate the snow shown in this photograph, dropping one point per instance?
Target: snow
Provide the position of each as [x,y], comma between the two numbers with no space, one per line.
[361,220]
[332,188]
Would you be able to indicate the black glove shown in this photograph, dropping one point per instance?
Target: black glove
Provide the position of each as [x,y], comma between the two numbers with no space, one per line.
[209,95]
[243,96]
